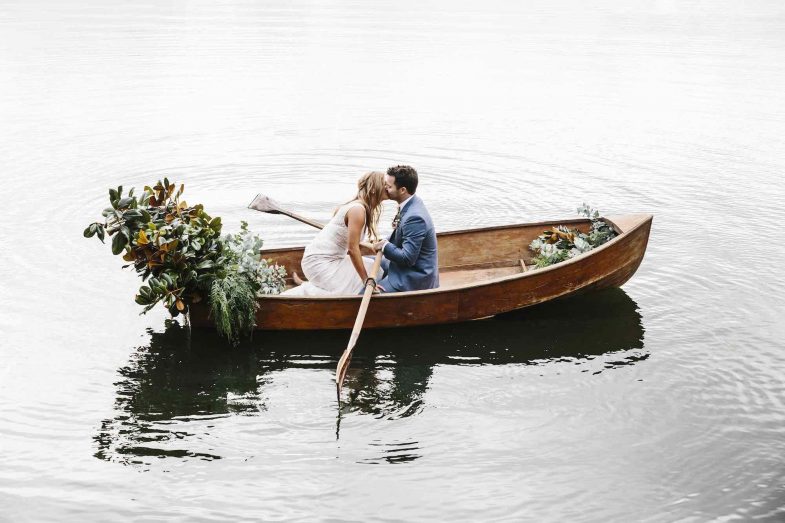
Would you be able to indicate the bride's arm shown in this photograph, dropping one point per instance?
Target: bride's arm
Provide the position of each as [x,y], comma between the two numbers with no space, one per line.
[356,221]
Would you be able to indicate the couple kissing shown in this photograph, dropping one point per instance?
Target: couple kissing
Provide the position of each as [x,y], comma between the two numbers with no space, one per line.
[333,263]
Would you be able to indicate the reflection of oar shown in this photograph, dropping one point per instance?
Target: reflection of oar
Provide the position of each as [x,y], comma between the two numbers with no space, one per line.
[346,357]
[266,204]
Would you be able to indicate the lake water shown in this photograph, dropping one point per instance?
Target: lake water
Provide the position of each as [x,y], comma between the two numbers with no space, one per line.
[661,401]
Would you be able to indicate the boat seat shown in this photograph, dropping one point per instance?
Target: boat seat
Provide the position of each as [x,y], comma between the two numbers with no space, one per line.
[450,277]
[456,277]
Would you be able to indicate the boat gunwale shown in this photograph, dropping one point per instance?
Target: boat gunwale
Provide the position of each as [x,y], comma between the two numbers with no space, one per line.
[464,231]
[644,219]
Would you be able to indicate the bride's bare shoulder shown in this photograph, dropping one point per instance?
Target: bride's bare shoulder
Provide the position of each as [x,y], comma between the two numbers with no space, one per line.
[355,213]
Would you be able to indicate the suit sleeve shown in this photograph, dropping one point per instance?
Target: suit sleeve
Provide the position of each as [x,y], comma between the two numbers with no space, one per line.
[413,233]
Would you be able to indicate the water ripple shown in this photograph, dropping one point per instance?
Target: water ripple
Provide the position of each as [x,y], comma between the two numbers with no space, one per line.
[511,113]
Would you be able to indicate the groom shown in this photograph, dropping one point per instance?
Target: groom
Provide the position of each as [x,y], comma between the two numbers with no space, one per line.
[410,259]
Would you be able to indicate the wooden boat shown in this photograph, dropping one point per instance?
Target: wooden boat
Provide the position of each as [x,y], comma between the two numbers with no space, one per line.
[483,272]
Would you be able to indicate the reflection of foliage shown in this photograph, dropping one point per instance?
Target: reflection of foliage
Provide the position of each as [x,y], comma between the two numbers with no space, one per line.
[179,253]
[169,383]
[560,243]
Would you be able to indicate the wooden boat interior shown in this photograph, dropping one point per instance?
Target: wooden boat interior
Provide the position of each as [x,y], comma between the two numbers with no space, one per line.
[468,257]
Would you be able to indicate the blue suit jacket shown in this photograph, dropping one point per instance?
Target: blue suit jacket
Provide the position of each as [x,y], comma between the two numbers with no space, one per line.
[414,263]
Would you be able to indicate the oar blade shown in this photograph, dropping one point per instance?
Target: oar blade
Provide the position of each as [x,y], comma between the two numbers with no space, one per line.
[264,203]
[346,357]
[343,366]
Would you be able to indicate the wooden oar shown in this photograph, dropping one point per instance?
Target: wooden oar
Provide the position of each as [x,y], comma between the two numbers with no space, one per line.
[346,357]
[266,204]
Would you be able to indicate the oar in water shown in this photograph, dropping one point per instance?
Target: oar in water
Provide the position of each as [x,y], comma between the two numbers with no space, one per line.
[266,204]
[346,357]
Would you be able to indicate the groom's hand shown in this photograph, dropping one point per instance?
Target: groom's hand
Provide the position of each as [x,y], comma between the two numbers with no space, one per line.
[378,246]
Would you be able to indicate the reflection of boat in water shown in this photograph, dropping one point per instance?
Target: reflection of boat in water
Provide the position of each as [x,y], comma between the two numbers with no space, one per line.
[483,272]
[187,374]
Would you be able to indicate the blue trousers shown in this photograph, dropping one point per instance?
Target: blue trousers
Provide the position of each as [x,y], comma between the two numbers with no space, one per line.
[384,282]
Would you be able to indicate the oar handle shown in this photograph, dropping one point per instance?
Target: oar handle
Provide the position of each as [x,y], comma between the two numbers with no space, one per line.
[343,363]
[303,219]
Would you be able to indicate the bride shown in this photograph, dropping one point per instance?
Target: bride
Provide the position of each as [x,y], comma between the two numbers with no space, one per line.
[332,261]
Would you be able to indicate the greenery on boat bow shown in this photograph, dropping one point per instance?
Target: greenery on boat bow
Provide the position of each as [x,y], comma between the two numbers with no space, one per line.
[179,253]
[561,243]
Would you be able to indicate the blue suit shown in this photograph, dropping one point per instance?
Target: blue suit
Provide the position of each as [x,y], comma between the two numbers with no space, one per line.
[411,261]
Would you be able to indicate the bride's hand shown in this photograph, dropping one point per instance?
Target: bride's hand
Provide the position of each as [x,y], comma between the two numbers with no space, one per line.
[378,246]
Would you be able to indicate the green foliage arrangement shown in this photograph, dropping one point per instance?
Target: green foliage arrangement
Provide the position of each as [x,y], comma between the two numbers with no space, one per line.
[181,257]
[247,275]
[561,243]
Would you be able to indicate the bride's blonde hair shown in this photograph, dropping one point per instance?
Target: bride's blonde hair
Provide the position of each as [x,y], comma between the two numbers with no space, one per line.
[370,193]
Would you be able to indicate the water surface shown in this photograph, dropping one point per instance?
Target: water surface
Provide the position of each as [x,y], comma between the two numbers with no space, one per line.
[660,401]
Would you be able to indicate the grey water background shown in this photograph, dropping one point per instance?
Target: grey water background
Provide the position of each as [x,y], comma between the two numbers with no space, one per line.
[662,401]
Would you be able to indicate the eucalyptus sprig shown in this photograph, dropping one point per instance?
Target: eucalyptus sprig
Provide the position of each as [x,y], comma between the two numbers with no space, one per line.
[233,296]
[561,243]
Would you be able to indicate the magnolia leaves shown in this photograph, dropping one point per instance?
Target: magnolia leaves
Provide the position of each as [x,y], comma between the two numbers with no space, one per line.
[178,252]
[172,246]
[95,229]
[163,192]
[164,289]
[559,233]
[119,242]
[122,214]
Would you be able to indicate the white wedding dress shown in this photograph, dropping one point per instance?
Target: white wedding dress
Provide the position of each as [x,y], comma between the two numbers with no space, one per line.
[326,263]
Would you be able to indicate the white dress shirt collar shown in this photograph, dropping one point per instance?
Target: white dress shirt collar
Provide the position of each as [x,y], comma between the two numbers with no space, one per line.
[405,202]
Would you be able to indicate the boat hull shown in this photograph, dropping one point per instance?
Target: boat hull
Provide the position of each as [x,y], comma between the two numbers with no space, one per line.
[471,255]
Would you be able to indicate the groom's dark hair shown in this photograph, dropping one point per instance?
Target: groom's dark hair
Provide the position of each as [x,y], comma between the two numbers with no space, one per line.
[405,176]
